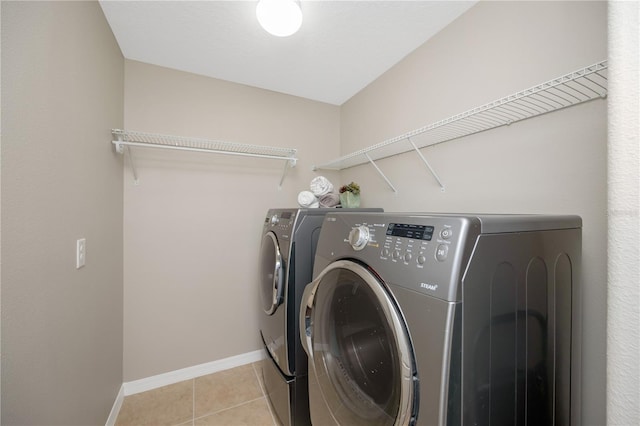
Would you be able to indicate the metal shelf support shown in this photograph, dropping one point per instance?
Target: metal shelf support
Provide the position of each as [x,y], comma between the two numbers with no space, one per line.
[393,188]
[122,148]
[424,160]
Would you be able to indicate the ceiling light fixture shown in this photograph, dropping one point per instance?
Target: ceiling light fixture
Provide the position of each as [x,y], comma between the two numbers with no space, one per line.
[279,17]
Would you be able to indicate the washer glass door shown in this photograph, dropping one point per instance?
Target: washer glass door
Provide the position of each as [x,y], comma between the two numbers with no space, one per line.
[361,352]
[271,273]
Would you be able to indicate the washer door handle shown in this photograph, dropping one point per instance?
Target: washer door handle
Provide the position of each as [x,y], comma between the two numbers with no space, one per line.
[306,308]
[272,273]
[278,279]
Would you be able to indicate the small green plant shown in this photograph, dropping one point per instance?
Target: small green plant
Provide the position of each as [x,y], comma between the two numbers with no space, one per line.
[352,187]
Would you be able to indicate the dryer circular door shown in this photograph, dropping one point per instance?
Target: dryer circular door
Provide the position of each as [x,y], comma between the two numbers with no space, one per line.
[359,348]
[271,273]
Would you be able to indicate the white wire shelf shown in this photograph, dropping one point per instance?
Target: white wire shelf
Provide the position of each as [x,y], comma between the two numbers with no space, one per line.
[580,86]
[129,138]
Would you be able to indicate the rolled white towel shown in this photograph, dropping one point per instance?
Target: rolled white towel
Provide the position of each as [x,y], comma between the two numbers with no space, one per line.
[329,200]
[308,200]
[320,185]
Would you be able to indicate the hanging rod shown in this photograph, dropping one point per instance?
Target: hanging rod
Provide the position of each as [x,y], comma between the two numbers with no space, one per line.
[128,138]
[571,89]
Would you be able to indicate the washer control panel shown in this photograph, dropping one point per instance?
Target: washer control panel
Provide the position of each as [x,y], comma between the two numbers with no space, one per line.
[413,244]
[420,252]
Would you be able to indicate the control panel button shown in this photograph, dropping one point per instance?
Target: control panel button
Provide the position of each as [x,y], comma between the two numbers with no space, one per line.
[384,252]
[441,252]
[396,254]
[359,237]
[446,233]
[407,257]
[421,259]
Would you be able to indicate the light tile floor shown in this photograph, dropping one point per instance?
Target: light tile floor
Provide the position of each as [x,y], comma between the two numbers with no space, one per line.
[232,397]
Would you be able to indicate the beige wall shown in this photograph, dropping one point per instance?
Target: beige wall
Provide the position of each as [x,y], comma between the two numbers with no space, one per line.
[62,91]
[550,164]
[192,225]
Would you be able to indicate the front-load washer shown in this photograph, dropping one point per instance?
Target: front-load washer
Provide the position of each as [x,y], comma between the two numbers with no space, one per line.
[433,319]
[289,239]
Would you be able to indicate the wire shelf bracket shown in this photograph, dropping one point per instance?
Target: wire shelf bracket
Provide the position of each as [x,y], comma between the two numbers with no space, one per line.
[583,85]
[426,163]
[125,139]
[393,188]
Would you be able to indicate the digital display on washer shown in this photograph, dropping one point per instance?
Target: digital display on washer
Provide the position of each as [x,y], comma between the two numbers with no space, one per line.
[285,215]
[417,232]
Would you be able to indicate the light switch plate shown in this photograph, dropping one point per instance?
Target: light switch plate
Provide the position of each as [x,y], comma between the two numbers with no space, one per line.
[81,252]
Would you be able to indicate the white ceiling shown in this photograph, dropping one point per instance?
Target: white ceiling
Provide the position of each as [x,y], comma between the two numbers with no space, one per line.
[341,48]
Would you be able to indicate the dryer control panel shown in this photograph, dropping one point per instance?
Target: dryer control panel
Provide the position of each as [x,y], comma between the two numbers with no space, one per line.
[280,221]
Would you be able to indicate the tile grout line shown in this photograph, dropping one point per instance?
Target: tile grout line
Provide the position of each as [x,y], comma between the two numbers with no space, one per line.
[264,393]
[227,408]
[253,367]
[193,402]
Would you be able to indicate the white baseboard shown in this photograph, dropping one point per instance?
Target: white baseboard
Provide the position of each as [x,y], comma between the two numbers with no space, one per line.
[164,379]
[115,410]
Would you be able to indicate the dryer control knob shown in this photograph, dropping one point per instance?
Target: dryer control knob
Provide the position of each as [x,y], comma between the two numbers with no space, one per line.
[275,219]
[359,237]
